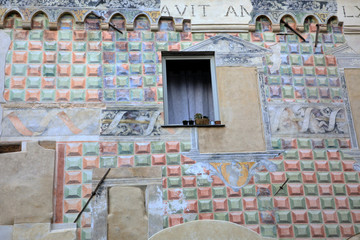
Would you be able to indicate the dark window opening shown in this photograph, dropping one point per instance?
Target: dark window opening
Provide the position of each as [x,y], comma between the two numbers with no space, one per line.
[189,90]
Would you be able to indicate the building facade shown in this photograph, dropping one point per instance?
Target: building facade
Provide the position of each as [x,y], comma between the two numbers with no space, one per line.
[91,85]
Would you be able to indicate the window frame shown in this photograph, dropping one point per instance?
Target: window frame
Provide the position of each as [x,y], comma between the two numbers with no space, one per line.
[199,55]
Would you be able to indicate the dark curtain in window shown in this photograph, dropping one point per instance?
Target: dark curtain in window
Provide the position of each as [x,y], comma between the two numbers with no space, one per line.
[189,90]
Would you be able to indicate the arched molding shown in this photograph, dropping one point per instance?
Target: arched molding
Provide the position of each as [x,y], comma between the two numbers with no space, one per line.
[256,16]
[310,16]
[7,13]
[330,17]
[131,25]
[55,25]
[65,13]
[162,18]
[114,14]
[290,14]
[263,15]
[132,20]
[274,27]
[33,14]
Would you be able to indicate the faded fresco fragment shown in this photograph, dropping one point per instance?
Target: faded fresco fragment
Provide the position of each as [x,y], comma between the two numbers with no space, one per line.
[235,174]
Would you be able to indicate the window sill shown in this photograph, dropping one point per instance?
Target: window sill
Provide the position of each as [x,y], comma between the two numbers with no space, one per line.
[191,126]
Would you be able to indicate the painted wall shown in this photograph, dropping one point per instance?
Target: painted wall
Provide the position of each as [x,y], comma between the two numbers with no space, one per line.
[99,93]
[241,114]
[352,83]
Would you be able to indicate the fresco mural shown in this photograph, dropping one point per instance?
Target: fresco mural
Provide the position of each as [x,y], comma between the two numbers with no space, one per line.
[98,95]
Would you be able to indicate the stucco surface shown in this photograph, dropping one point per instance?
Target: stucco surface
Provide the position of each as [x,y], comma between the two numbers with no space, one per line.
[352,82]
[127,217]
[4,46]
[207,230]
[353,42]
[41,231]
[137,172]
[26,186]
[241,114]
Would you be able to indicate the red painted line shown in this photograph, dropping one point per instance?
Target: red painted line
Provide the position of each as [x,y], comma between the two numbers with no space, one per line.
[59,187]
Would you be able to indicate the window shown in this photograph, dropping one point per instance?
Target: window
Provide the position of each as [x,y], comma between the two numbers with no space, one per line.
[189,86]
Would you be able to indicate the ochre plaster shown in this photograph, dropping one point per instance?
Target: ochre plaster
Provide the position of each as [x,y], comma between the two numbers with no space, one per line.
[41,231]
[241,114]
[352,79]
[26,185]
[127,217]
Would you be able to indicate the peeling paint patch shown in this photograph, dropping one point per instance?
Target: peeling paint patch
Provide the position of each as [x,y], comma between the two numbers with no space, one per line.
[175,206]
[275,58]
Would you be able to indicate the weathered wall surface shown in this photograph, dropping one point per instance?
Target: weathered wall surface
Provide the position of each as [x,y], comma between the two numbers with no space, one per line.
[352,77]
[41,231]
[127,217]
[241,114]
[99,93]
[26,185]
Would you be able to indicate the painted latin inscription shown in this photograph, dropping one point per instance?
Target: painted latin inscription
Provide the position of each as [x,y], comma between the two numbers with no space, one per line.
[349,12]
[207,12]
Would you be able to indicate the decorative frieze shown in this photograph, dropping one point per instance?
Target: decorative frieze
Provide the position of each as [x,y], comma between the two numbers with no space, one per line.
[308,120]
[130,123]
[275,10]
[232,51]
[134,4]
[50,122]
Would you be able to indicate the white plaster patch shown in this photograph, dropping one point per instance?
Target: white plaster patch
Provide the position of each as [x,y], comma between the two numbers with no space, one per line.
[156,204]
[275,57]
[4,47]
[199,169]
[174,206]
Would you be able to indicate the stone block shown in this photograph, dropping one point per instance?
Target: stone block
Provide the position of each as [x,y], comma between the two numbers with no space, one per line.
[127,217]
[44,231]
[26,186]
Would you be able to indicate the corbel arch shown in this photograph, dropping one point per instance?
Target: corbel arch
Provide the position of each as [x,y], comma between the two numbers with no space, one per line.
[117,16]
[166,23]
[310,22]
[33,15]
[139,23]
[288,16]
[264,27]
[60,18]
[8,13]
[89,25]
[65,13]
